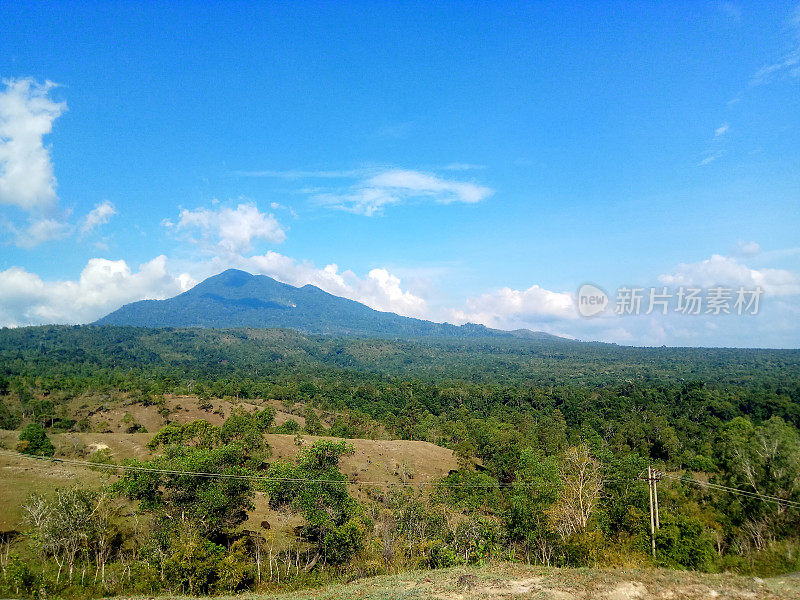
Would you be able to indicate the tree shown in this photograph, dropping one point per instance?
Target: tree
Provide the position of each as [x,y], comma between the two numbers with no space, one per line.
[534,492]
[316,488]
[313,424]
[8,419]
[170,487]
[74,521]
[580,490]
[33,440]
[764,460]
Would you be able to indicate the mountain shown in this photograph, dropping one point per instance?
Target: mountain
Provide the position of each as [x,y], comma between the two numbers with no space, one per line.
[238,299]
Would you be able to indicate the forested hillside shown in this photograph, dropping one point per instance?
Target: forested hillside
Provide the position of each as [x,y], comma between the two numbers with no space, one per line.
[551,439]
[238,299]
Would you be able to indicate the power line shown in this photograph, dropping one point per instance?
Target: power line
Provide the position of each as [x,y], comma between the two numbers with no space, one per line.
[732,490]
[264,478]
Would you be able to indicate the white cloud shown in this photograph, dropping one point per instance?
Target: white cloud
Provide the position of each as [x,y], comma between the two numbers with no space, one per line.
[232,230]
[370,195]
[716,148]
[380,289]
[789,64]
[376,188]
[26,171]
[99,215]
[39,230]
[727,271]
[456,166]
[747,248]
[103,286]
[510,308]
[303,174]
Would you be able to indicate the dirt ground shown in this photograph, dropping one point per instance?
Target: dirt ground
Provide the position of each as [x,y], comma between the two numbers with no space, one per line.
[382,461]
[510,581]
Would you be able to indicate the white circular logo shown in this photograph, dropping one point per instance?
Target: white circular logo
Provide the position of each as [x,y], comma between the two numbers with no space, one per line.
[591,300]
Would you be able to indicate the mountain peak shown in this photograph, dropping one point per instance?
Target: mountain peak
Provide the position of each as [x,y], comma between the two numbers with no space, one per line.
[232,277]
[235,298]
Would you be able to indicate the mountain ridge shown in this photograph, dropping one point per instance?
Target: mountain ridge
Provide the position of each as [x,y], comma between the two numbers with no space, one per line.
[235,298]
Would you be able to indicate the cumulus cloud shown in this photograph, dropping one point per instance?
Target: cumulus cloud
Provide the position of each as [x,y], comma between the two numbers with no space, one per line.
[99,215]
[231,230]
[380,289]
[103,286]
[728,271]
[369,196]
[26,171]
[510,308]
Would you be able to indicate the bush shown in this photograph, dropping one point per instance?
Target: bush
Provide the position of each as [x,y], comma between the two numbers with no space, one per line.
[290,426]
[342,542]
[776,559]
[34,440]
[18,577]
[683,542]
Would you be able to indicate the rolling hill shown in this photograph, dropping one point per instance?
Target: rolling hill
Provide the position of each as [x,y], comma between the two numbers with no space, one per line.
[238,299]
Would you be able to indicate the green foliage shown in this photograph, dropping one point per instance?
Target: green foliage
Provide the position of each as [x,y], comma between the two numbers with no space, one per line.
[316,488]
[510,409]
[17,576]
[247,429]
[191,560]
[8,419]
[235,569]
[70,525]
[197,434]
[534,492]
[216,504]
[33,440]
[102,456]
[288,426]
[313,424]
[682,541]
[469,491]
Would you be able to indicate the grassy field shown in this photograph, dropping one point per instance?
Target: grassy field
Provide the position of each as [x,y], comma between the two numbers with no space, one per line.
[389,461]
[518,581]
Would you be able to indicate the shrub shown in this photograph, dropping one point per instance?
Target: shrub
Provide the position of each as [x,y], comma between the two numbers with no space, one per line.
[34,440]
[683,542]
[290,426]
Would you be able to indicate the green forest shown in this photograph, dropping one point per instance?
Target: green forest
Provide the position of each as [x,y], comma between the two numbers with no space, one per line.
[553,439]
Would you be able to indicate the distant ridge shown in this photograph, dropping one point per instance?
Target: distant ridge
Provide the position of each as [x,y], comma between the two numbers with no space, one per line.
[238,299]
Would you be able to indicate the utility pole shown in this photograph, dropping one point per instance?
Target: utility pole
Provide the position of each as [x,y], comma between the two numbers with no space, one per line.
[656,479]
[653,477]
[652,513]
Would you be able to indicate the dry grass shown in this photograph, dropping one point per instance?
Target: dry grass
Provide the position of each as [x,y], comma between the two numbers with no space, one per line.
[374,460]
[519,581]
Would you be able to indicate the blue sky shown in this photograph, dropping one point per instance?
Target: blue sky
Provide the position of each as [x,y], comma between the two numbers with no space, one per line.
[453,161]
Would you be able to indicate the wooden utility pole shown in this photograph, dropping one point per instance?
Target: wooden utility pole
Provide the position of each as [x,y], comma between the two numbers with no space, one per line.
[652,513]
[652,479]
[656,479]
